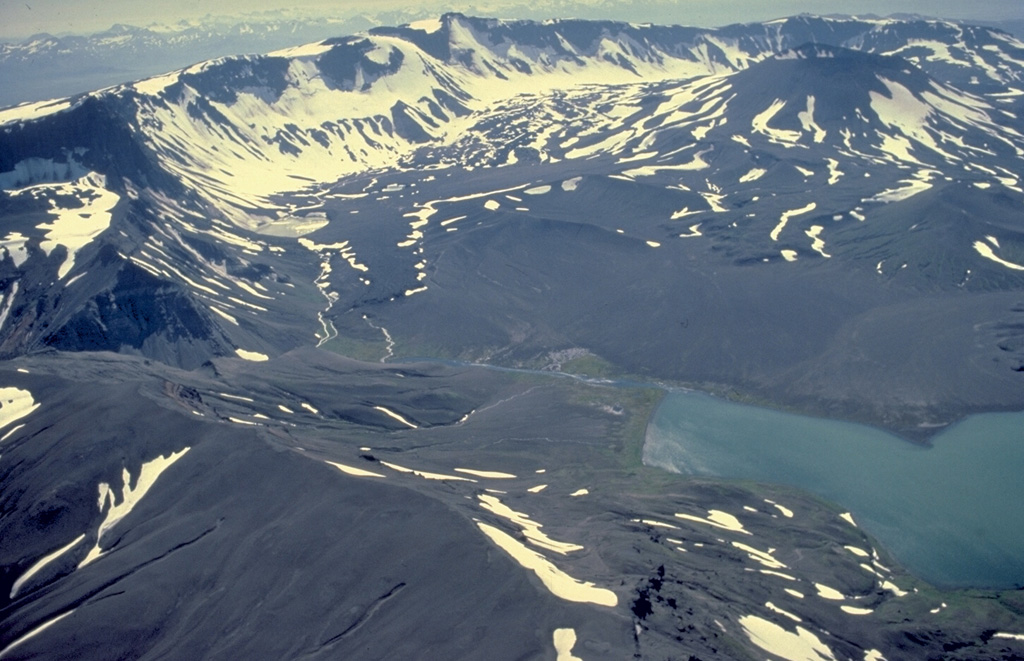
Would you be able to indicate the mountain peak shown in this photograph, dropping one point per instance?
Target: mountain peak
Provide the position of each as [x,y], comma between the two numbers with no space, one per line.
[814,50]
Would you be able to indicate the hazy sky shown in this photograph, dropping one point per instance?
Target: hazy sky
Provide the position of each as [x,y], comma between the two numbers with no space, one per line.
[19,18]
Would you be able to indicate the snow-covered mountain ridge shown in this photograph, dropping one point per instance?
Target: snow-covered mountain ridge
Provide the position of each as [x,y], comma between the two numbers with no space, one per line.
[343,169]
[352,104]
[46,66]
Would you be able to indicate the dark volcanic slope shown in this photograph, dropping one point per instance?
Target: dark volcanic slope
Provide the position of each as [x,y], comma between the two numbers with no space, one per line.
[264,554]
[230,532]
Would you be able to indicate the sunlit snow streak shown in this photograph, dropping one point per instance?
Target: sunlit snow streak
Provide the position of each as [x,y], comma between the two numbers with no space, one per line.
[29,111]
[41,563]
[833,171]
[800,646]
[780,136]
[786,215]
[753,175]
[1009,636]
[74,227]
[240,398]
[694,231]
[15,404]
[786,512]
[910,188]
[396,416]
[492,475]
[11,432]
[655,523]
[148,474]
[426,475]
[531,529]
[694,164]
[718,519]
[223,314]
[34,632]
[826,592]
[775,609]
[818,244]
[763,557]
[555,580]
[426,210]
[986,251]
[807,122]
[253,356]
[352,470]
[564,641]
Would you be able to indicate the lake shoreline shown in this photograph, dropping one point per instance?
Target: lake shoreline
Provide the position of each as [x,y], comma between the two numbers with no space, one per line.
[928,504]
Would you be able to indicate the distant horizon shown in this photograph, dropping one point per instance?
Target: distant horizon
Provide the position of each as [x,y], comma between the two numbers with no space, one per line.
[24,19]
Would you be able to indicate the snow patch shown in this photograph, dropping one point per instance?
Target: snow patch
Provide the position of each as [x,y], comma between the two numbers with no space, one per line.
[807,122]
[425,474]
[352,470]
[564,641]
[74,227]
[555,580]
[30,111]
[986,251]
[15,404]
[774,639]
[779,136]
[825,592]
[531,529]
[395,416]
[253,356]
[35,632]
[130,497]
[491,475]
[753,175]
[786,215]
[41,563]
[775,609]
[717,519]
[1009,636]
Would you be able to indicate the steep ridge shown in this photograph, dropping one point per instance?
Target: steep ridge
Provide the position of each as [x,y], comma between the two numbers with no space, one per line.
[397,86]
[46,66]
[870,130]
[220,167]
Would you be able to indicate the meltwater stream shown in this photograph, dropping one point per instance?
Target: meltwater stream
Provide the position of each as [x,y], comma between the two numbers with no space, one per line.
[953,513]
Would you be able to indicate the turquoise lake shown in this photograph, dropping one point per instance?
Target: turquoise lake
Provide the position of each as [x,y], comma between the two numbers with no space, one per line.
[952,514]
